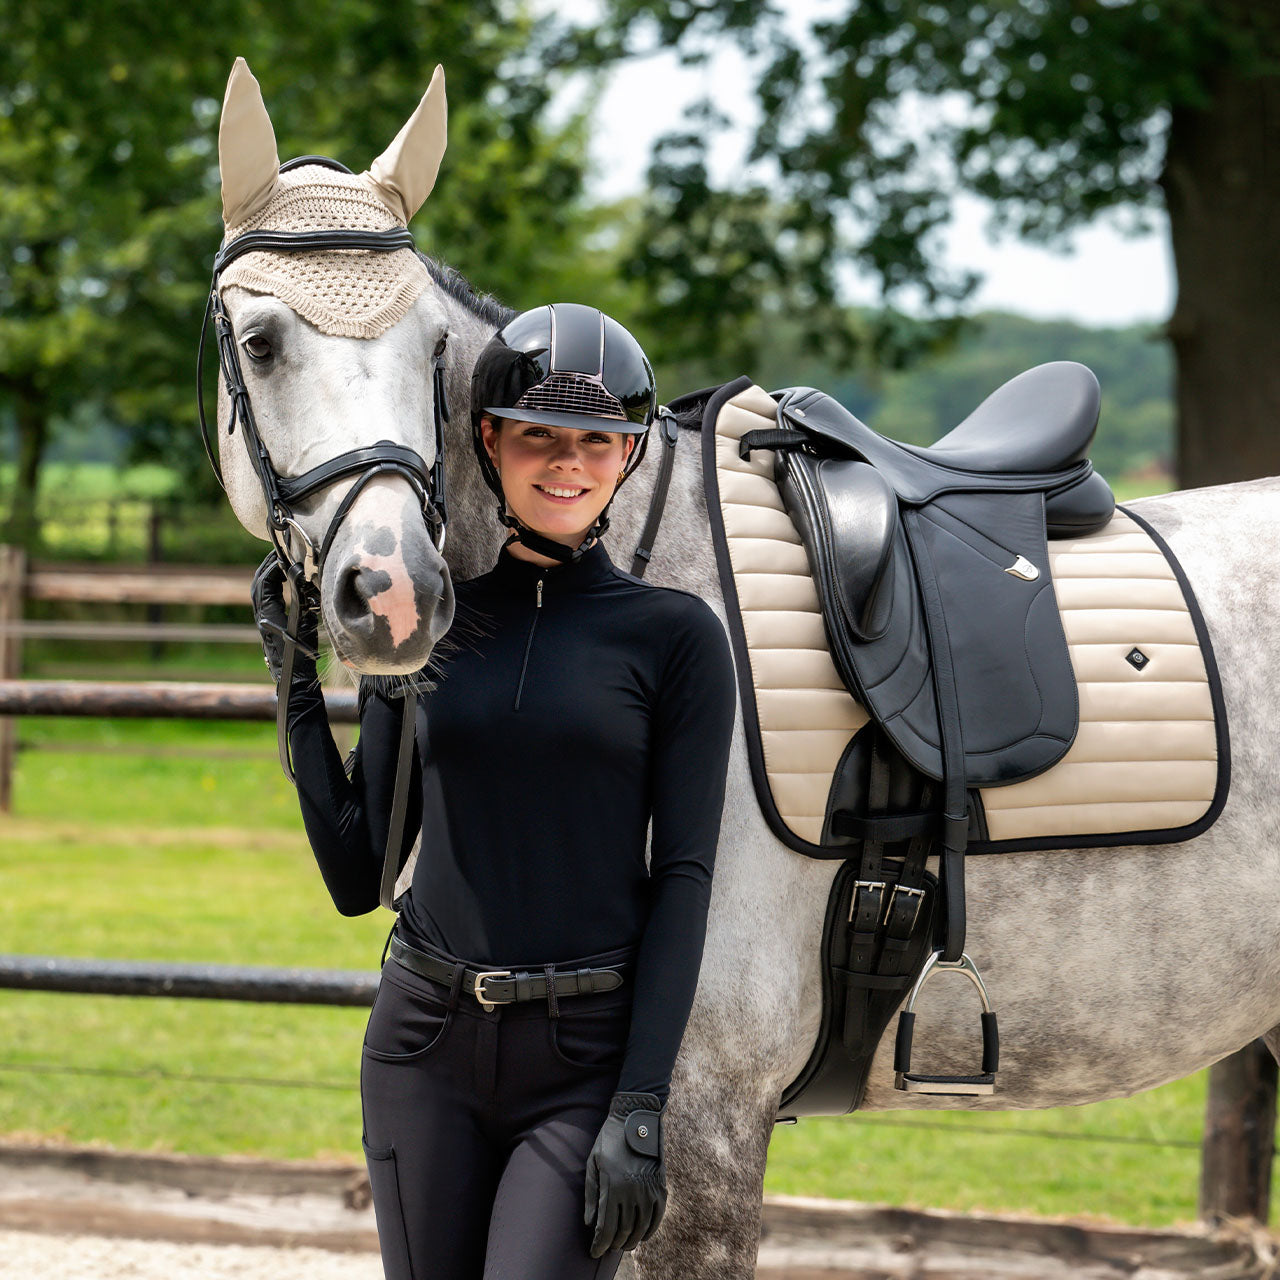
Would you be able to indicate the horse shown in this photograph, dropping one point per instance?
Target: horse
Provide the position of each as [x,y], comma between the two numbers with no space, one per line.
[1114,970]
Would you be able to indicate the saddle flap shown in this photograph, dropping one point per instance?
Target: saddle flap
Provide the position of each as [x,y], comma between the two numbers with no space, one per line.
[847,517]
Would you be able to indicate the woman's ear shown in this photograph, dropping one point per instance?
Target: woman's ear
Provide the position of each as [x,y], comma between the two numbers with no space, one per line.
[629,448]
[489,438]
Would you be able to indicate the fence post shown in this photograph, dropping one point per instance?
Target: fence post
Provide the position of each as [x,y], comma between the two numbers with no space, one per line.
[13,564]
[1239,1136]
[155,554]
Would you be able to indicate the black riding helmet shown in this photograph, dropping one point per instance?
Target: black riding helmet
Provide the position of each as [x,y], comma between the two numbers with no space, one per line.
[564,365]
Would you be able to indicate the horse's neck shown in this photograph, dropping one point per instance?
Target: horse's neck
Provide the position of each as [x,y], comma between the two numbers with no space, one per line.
[473,533]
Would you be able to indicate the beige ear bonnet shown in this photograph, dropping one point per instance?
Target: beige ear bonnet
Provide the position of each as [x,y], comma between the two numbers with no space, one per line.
[347,292]
[350,293]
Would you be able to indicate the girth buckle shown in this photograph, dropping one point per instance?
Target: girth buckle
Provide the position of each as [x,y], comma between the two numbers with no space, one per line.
[908,891]
[486,1001]
[869,886]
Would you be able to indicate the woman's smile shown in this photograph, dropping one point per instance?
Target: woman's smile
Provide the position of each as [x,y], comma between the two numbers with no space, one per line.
[561,493]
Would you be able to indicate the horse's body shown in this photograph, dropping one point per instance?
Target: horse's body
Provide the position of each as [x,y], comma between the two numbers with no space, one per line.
[1112,970]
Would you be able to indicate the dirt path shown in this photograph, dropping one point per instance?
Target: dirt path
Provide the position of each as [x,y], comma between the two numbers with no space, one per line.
[76,1214]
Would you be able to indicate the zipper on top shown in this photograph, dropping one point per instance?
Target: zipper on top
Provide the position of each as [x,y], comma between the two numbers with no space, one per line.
[528,644]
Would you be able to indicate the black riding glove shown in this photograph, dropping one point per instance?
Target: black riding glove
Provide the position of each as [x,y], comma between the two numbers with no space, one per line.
[272,617]
[626,1177]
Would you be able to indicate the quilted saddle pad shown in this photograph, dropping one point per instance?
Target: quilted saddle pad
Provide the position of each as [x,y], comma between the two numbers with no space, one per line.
[1150,761]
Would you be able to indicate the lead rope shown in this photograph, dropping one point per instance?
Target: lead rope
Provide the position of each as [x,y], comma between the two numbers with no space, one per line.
[399,800]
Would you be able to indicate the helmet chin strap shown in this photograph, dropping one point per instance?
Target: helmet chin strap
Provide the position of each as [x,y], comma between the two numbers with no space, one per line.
[545,546]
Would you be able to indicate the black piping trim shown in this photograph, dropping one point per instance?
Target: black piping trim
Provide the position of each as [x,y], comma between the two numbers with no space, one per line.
[737,636]
[1166,835]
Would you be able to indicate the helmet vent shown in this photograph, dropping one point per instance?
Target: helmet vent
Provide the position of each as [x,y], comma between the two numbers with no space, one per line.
[573,393]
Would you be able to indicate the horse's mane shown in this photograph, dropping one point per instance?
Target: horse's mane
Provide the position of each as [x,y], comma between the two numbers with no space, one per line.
[482,305]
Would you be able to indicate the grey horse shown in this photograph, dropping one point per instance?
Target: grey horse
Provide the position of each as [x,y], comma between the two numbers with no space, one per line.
[1113,970]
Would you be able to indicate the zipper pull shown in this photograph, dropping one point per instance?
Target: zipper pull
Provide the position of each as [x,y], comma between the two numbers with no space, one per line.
[539,604]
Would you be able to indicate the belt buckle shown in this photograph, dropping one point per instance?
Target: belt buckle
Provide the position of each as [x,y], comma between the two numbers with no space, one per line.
[477,988]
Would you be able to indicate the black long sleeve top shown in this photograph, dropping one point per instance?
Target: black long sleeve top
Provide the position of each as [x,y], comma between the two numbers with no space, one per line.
[574,705]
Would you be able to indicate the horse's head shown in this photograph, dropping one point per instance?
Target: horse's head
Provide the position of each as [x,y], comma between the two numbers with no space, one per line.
[335,348]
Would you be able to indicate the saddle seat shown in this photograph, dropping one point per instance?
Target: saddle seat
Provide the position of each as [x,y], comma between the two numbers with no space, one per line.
[1043,420]
[932,564]
[1030,435]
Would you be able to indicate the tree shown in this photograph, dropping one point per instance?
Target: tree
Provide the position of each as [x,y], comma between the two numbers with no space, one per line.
[1054,110]
[109,212]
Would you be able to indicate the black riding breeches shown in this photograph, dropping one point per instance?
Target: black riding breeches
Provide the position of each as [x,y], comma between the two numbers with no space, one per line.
[478,1124]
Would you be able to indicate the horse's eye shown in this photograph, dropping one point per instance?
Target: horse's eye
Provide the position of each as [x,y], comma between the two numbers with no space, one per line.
[440,346]
[257,346]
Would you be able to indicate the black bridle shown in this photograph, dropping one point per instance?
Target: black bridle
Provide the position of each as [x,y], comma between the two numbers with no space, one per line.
[284,493]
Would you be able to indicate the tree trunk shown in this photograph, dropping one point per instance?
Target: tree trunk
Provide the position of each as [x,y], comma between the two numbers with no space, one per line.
[1239,1136]
[1222,189]
[23,527]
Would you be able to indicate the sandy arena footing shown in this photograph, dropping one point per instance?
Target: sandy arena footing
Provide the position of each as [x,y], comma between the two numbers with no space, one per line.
[86,1214]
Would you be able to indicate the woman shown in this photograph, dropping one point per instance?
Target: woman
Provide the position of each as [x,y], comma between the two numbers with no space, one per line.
[519,1054]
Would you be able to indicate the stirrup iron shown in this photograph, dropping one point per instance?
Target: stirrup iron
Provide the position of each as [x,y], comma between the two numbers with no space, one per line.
[917,1082]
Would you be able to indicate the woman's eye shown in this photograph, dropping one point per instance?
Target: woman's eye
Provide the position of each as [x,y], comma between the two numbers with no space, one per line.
[257,346]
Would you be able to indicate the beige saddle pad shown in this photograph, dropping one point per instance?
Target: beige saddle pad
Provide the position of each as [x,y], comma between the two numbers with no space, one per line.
[1149,763]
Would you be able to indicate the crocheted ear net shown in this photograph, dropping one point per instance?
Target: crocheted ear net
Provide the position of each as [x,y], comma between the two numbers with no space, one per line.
[351,293]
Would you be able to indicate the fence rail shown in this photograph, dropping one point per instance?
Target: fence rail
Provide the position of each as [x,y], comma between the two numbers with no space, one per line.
[156,699]
[347,987]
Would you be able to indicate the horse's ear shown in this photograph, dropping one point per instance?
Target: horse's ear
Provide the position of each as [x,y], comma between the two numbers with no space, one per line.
[247,155]
[406,171]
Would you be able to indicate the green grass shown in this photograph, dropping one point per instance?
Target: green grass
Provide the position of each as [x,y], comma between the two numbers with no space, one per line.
[184,859]
[1005,1162]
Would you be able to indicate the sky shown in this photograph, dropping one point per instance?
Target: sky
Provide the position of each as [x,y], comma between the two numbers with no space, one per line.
[1107,277]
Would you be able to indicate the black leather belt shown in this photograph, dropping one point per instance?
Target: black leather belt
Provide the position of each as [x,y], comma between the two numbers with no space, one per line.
[501,986]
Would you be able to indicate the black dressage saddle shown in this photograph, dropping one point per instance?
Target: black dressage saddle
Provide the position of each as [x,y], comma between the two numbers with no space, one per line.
[932,568]
[919,549]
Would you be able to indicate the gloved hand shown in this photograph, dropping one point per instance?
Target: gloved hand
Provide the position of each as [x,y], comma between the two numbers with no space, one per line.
[626,1177]
[272,617]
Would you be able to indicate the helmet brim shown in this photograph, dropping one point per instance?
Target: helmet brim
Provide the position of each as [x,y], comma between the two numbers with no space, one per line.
[564,418]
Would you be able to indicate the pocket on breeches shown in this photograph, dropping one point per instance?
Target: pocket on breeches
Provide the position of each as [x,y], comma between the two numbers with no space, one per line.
[406,1022]
[591,1037]
[393,1240]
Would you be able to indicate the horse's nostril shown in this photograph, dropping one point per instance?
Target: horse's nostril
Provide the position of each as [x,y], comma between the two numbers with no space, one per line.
[354,590]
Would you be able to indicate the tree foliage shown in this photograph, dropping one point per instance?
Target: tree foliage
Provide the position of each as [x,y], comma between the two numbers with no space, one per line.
[873,117]
[109,209]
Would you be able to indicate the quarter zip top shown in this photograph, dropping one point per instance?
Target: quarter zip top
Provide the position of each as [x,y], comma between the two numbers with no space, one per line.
[528,644]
